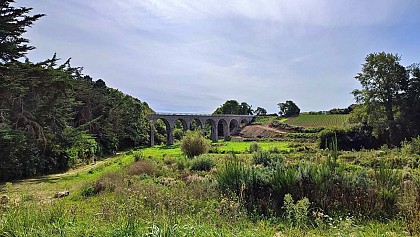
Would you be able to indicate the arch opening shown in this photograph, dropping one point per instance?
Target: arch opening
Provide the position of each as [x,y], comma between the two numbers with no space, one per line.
[162,131]
[180,127]
[223,129]
[210,130]
[234,127]
[196,124]
[244,122]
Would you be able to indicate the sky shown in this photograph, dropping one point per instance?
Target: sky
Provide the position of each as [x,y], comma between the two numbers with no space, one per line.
[191,56]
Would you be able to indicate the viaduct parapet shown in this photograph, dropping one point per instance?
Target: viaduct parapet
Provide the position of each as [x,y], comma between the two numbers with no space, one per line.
[228,124]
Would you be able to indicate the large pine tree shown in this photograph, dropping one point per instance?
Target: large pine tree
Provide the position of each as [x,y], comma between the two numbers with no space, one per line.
[13,24]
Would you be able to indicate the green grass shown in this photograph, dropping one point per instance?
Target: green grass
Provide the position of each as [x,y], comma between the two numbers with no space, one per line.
[264,119]
[243,147]
[319,120]
[144,205]
[163,151]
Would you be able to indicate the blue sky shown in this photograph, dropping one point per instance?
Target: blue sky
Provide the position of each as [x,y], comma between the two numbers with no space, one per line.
[192,56]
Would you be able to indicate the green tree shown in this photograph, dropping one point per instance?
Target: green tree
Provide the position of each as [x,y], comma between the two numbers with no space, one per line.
[52,116]
[384,84]
[288,109]
[233,107]
[13,24]
[260,111]
[410,113]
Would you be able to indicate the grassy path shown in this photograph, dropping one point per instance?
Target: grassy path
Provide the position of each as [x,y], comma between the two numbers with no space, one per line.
[43,188]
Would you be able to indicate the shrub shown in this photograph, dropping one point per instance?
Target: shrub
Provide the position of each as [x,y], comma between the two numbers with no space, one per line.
[296,214]
[194,144]
[178,133]
[254,147]
[87,191]
[233,175]
[266,158]
[142,167]
[388,183]
[138,156]
[251,185]
[202,163]
[411,147]
[284,181]
[354,138]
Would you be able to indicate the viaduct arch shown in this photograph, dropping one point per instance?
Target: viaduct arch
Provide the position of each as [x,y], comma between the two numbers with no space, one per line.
[229,122]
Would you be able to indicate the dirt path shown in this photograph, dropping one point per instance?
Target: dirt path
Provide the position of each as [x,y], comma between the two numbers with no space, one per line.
[85,168]
[43,188]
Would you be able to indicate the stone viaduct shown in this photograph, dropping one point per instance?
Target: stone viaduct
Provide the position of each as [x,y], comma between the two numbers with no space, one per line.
[231,124]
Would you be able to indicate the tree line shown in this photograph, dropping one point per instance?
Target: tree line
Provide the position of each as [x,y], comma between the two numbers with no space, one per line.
[53,117]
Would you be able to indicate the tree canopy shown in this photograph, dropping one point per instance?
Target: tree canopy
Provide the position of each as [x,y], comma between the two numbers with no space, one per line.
[52,116]
[13,24]
[288,109]
[233,107]
[260,111]
[388,97]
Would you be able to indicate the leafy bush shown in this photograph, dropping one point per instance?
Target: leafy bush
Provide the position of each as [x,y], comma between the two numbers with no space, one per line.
[354,138]
[266,158]
[411,147]
[388,184]
[284,180]
[87,191]
[194,144]
[138,156]
[178,133]
[254,147]
[251,185]
[202,163]
[232,176]
[296,214]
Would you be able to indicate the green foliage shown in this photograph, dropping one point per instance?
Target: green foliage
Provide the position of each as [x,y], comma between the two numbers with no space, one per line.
[233,175]
[288,109]
[284,180]
[389,98]
[233,107]
[411,147]
[260,111]
[178,134]
[51,116]
[80,145]
[202,163]
[254,147]
[353,138]
[138,156]
[388,183]
[296,213]
[266,158]
[13,22]
[194,144]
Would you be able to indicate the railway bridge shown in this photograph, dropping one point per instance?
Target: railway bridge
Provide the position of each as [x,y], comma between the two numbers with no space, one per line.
[229,124]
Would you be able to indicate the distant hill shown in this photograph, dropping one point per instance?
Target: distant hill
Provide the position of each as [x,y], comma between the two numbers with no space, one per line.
[318,120]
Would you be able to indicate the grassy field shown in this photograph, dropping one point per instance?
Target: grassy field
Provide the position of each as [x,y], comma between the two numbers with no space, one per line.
[159,192]
[319,120]
[243,147]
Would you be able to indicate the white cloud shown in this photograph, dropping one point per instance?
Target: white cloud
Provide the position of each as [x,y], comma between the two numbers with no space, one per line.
[190,55]
[306,12]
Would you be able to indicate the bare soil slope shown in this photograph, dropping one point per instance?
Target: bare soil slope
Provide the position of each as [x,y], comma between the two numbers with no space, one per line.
[258,131]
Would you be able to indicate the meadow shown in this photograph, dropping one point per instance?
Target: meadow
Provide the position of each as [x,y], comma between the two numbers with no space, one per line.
[239,189]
